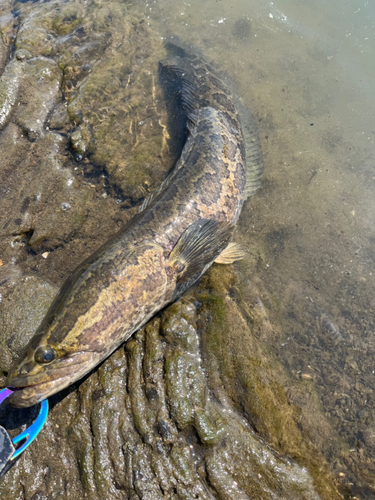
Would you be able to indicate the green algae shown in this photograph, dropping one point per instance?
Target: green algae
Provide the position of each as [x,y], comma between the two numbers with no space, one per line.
[143,418]
[178,388]
[65,24]
[80,140]
[253,377]
[116,103]
[39,95]
[210,426]
[128,426]
[9,85]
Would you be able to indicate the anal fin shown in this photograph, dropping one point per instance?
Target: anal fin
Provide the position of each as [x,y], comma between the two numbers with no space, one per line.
[230,254]
[199,246]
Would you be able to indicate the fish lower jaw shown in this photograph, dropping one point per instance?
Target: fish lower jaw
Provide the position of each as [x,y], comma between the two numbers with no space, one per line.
[30,395]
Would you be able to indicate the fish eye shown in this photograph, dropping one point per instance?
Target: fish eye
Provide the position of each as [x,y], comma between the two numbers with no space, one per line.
[44,354]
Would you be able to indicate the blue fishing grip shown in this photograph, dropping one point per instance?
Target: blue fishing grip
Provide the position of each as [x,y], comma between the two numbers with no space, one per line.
[5,393]
[31,432]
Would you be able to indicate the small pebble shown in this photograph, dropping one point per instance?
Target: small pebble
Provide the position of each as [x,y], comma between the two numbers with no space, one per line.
[45,255]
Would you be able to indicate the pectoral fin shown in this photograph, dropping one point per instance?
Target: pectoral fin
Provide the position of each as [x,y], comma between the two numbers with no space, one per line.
[199,246]
[230,254]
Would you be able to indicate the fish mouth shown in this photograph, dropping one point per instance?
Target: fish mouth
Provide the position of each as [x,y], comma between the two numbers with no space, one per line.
[32,388]
[30,395]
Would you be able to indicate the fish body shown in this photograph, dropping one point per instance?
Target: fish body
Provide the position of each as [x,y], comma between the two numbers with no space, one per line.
[178,233]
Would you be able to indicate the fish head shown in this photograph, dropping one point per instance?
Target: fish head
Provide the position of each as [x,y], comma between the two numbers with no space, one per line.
[91,316]
[44,368]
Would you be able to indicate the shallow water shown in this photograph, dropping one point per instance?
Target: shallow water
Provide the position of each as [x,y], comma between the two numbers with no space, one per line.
[305,69]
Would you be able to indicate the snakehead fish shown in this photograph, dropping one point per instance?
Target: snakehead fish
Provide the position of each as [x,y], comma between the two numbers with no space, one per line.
[185,226]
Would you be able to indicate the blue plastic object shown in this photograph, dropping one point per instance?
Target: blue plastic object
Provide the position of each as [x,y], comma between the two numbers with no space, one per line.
[29,434]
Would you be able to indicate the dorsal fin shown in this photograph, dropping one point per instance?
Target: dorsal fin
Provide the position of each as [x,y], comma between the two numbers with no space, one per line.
[176,70]
[253,148]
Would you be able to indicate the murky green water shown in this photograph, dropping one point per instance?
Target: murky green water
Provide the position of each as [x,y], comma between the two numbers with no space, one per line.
[287,335]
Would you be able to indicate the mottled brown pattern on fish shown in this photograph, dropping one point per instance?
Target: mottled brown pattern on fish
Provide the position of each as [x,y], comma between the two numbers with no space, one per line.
[209,90]
[120,287]
[210,184]
[143,283]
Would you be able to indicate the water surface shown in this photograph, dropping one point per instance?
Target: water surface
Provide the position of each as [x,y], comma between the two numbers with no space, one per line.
[306,69]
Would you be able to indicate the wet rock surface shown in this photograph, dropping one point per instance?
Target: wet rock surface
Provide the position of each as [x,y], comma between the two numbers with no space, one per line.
[190,405]
[81,81]
[20,294]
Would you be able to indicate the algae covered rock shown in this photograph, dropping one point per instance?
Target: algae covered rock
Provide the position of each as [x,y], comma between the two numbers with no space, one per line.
[146,424]
[81,84]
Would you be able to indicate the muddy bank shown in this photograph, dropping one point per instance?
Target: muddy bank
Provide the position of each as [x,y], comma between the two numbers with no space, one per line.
[162,418]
